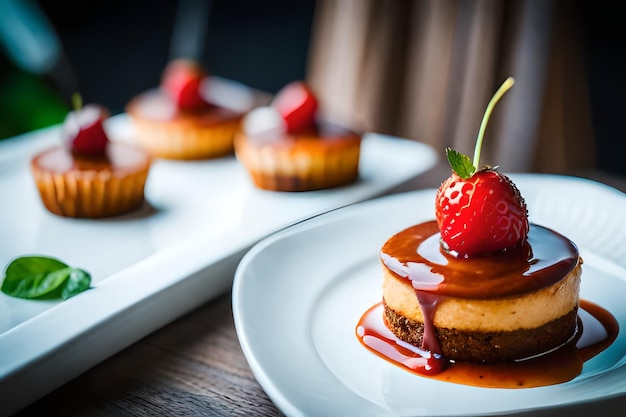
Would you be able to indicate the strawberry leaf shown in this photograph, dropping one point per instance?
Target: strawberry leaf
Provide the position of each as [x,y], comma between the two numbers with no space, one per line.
[461,164]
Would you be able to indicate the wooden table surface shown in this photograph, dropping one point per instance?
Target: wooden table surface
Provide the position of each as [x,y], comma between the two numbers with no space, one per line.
[192,367]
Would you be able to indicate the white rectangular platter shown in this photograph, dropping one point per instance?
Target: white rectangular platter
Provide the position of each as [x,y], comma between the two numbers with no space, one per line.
[150,267]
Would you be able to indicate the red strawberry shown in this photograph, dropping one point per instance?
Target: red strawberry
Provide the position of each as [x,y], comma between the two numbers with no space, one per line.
[182,80]
[480,211]
[84,128]
[297,105]
[483,213]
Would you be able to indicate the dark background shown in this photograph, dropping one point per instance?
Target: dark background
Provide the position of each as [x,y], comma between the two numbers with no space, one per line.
[603,30]
[119,48]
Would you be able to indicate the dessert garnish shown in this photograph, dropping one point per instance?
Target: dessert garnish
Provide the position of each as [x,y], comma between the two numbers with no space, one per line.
[43,278]
[480,210]
[297,106]
[292,111]
[182,80]
[84,128]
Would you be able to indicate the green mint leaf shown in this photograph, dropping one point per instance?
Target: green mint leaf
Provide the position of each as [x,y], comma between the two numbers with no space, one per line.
[28,276]
[41,277]
[461,164]
[77,282]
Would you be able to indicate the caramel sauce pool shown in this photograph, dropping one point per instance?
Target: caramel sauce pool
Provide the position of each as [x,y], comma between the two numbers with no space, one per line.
[560,365]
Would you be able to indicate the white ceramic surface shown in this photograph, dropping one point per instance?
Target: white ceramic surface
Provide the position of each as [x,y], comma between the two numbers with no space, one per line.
[149,267]
[298,295]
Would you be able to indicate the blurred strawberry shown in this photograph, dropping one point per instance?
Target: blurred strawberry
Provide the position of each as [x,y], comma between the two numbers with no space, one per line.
[182,80]
[297,105]
[84,128]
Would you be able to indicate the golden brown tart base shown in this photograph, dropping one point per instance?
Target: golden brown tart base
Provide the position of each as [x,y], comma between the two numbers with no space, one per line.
[167,132]
[487,346]
[91,186]
[303,162]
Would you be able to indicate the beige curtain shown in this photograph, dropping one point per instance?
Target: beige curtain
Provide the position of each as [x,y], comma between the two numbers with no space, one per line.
[426,69]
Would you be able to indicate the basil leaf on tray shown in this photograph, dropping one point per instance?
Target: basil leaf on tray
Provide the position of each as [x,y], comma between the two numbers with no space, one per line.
[77,282]
[45,278]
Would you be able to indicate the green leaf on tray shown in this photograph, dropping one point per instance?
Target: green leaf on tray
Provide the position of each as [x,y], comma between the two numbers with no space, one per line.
[42,277]
[77,282]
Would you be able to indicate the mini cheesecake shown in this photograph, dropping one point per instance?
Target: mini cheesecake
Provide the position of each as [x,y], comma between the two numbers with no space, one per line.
[504,306]
[326,156]
[78,185]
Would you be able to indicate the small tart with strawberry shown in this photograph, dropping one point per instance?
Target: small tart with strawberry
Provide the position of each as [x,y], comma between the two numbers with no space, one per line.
[90,176]
[480,283]
[176,121]
[285,147]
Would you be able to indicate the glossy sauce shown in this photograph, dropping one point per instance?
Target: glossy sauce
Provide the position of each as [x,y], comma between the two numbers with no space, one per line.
[324,134]
[415,254]
[156,105]
[118,157]
[560,365]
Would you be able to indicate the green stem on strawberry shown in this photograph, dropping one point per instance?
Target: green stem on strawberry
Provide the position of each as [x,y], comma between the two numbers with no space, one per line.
[77,101]
[506,85]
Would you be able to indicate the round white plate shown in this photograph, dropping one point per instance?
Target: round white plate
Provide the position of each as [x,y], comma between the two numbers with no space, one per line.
[298,295]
